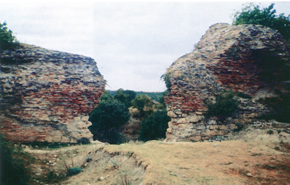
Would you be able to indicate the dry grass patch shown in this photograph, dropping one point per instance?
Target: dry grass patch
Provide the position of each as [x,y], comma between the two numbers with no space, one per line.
[157,162]
[197,163]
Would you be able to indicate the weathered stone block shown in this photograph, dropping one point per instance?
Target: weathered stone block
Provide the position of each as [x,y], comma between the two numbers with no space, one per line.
[212,122]
[207,133]
[85,118]
[193,118]
[214,133]
[178,112]
[56,139]
[183,115]
[48,139]
[213,127]
[204,137]
[233,126]
[65,140]
[223,127]
[182,121]
[194,138]
[222,132]
[171,114]
[200,127]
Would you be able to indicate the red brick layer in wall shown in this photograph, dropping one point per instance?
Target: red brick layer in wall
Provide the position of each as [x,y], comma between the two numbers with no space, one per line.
[63,104]
[240,75]
[22,133]
[81,101]
[184,103]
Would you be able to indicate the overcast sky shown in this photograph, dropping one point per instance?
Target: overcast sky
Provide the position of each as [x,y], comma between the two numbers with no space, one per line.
[132,43]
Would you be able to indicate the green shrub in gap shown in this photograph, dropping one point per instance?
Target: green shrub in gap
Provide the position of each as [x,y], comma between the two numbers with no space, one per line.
[155,126]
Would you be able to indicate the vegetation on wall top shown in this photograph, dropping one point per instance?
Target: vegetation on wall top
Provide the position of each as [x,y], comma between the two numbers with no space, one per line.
[253,14]
[7,39]
[165,77]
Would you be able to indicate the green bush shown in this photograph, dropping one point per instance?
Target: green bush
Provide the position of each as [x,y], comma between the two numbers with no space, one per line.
[165,77]
[252,14]
[280,107]
[106,120]
[7,40]
[53,177]
[74,171]
[143,104]
[14,164]
[224,107]
[154,127]
[243,95]
[270,131]
[239,127]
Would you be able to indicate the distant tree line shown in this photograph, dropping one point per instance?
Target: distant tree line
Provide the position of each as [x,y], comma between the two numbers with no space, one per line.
[153,95]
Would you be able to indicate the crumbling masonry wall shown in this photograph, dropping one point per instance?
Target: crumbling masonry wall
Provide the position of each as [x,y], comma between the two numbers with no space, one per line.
[226,58]
[47,95]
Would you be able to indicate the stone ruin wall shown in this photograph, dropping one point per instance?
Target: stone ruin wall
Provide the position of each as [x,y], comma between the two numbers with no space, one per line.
[224,59]
[46,95]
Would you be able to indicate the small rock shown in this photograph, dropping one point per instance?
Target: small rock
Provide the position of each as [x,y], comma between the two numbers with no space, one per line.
[101,178]
[215,145]
[171,114]
[218,139]
[249,175]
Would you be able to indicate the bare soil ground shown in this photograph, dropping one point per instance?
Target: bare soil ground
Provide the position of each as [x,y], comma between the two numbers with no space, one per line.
[251,158]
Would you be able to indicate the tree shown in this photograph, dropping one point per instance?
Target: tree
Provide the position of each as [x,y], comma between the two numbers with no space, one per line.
[106,96]
[162,100]
[155,126]
[125,96]
[142,102]
[7,40]
[252,14]
[106,119]
[130,95]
